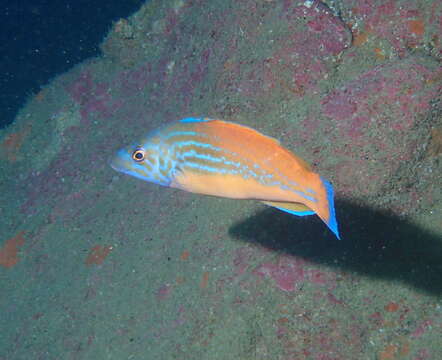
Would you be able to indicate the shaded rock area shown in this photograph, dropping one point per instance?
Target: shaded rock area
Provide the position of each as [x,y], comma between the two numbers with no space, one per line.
[112,267]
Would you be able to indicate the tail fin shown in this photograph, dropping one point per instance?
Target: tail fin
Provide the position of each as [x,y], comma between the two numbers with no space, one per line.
[302,210]
[331,223]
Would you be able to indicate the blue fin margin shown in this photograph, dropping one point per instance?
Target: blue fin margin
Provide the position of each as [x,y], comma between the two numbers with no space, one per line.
[332,223]
[297,213]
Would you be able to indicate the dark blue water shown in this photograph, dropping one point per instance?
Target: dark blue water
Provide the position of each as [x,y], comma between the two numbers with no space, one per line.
[42,38]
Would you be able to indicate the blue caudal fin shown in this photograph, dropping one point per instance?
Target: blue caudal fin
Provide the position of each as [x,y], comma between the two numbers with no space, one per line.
[332,223]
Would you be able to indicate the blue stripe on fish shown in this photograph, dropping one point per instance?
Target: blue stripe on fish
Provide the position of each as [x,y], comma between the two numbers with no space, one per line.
[193,120]
[210,169]
[182,133]
[193,154]
[181,144]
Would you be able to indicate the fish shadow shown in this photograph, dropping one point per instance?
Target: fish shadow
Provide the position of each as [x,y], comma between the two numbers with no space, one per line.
[374,243]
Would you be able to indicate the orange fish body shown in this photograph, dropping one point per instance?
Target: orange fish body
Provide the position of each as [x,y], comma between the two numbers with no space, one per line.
[220,158]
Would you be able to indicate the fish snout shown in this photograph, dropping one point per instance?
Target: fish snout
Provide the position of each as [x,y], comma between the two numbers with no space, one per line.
[121,161]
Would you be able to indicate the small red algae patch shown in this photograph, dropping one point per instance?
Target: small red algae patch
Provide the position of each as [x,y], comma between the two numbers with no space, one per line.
[204,280]
[13,142]
[389,353]
[435,146]
[379,53]
[98,254]
[405,349]
[184,255]
[283,320]
[360,38]
[8,254]
[416,27]
[391,307]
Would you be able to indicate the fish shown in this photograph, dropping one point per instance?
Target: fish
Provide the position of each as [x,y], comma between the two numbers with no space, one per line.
[227,159]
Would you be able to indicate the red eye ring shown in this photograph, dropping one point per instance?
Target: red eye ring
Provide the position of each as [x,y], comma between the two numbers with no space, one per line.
[139,155]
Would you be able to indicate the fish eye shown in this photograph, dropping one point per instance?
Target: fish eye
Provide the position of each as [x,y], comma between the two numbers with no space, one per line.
[139,155]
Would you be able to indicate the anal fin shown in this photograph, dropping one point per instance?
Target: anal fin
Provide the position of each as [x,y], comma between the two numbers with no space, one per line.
[291,207]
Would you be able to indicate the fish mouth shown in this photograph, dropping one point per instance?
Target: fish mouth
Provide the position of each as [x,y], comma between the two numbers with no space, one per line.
[120,161]
[118,164]
[113,166]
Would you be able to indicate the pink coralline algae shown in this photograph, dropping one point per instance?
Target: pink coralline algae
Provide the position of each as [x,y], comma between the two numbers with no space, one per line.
[323,26]
[402,24]
[421,329]
[372,122]
[93,97]
[289,273]
[295,60]
[339,106]
[163,292]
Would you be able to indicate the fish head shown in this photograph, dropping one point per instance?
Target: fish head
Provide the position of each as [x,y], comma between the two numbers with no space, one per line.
[141,160]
